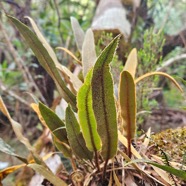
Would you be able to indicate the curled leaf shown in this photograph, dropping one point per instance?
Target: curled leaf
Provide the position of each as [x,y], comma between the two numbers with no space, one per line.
[4,109]
[162,74]
[70,53]
[42,39]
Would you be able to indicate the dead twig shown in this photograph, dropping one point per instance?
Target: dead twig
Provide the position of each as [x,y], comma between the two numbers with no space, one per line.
[11,93]
[171,61]
[19,62]
[59,20]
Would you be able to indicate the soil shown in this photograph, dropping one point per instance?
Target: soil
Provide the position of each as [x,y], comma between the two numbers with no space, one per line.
[165,118]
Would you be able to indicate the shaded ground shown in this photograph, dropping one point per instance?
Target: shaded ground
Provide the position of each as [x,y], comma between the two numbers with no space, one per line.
[165,118]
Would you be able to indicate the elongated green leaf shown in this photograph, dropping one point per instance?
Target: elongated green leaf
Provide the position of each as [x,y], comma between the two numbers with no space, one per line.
[45,59]
[127,100]
[42,39]
[179,173]
[88,52]
[78,33]
[61,146]
[75,81]
[54,123]
[103,100]
[75,137]
[47,174]
[4,147]
[132,62]
[86,115]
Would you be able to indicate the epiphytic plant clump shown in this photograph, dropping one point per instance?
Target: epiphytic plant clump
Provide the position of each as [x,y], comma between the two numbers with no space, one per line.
[97,131]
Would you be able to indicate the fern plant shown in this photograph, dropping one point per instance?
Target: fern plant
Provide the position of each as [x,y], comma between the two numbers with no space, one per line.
[89,135]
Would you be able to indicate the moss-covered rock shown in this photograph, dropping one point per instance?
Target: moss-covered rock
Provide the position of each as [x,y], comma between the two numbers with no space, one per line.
[173,143]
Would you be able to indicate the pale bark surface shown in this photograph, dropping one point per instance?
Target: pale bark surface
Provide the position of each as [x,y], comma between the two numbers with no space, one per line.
[111,16]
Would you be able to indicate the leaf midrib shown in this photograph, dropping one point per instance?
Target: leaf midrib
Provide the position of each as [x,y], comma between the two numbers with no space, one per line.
[128,112]
[104,103]
[106,120]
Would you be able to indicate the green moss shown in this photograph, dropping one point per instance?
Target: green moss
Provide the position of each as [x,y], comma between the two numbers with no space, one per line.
[173,143]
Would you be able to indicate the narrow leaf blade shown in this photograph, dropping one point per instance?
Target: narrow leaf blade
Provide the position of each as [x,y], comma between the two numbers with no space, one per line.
[47,174]
[179,173]
[54,123]
[73,78]
[45,59]
[88,52]
[127,101]
[75,137]
[103,100]
[86,115]
[42,39]
[78,33]
[132,62]
[116,179]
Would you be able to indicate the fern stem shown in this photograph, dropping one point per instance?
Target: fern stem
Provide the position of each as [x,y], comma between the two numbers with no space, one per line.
[129,149]
[74,167]
[97,161]
[104,170]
